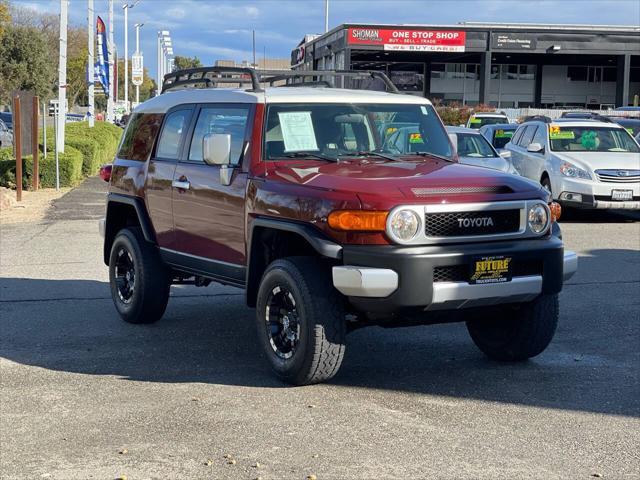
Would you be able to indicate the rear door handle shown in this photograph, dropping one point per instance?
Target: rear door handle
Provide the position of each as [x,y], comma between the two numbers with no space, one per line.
[181,184]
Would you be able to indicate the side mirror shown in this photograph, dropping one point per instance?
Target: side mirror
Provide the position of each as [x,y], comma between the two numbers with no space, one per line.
[535,148]
[505,153]
[216,148]
[454,141]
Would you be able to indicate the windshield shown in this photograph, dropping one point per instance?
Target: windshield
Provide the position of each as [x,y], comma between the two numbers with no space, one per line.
[470,145]
[591,139]
[337,129]
[502,136]
[477,122]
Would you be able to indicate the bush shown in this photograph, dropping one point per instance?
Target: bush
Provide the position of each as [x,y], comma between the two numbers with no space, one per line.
[90,154]
[456,114]
[70,161]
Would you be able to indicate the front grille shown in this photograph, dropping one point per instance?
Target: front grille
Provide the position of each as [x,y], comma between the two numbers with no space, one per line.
[461,273]
[458,224]
[618,176]
[607,198]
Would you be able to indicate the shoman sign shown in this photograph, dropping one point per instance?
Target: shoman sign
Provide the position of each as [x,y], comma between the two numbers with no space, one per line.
[136,69]
[409,39]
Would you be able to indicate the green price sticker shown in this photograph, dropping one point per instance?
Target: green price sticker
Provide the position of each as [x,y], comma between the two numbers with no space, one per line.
[415,138]
[562,135]
[630,130]
[504,134]
[476,120]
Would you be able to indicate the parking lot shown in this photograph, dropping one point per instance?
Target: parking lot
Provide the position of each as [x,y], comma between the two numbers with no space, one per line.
[85,395]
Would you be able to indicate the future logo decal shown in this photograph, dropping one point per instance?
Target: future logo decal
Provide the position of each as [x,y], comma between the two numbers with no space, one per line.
[475,222]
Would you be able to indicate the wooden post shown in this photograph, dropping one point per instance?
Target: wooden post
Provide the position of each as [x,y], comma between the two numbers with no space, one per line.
[17,139]
[34,142]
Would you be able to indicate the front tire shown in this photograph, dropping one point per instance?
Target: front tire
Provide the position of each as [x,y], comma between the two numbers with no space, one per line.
[139,280]
[301,320]
[516,333]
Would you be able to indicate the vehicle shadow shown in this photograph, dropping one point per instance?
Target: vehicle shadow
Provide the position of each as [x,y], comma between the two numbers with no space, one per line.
[576,215]
[208,336]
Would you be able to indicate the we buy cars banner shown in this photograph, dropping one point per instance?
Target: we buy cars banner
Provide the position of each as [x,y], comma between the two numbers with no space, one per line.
[409,39]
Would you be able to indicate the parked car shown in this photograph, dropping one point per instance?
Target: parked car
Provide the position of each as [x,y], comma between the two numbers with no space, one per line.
[583,163]
[479,119]
[474,149]
[290,194]
[582,115]
[628,109]
[6,137]
[7,118]
[631,124]
[499,134]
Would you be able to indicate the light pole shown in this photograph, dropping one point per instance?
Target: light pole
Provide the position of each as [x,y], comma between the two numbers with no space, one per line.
[138,27]
[126,8]
[165,50]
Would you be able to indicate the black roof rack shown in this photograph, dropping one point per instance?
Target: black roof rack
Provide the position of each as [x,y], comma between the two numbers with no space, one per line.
[245,75]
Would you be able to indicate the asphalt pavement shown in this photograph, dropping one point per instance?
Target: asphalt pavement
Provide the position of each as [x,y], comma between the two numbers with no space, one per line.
[85,395]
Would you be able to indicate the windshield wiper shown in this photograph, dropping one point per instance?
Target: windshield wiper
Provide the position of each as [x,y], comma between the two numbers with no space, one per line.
[371,153]
[312,155]
[429,154]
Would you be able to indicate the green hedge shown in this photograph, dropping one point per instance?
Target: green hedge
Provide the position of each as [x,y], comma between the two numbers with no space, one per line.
[71,163]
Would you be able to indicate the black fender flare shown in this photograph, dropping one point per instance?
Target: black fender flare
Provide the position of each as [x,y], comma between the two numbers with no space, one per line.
[316,239]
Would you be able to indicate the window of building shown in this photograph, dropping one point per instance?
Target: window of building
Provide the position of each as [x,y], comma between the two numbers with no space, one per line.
[437,70]
[595,74]
[510,72]
[173,131]
[526,72]
[139,137]
[634,74]
[577,74]
[495,71]
[472,71]
[231,120]
[609,74]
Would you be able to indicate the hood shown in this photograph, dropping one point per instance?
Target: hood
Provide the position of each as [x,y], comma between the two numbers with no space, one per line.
[591,161]
[424,181]
[497,163]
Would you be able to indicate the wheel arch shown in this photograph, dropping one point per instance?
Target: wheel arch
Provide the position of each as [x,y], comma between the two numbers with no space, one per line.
[124,211]
[271,239]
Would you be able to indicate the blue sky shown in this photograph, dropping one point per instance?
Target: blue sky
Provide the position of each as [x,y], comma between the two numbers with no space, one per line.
[221,29]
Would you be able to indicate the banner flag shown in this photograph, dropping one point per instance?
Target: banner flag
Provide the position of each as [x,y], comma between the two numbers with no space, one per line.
[102,69]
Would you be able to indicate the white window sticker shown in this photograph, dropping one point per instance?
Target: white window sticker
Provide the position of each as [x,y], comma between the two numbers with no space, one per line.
[424,110]
[297,131]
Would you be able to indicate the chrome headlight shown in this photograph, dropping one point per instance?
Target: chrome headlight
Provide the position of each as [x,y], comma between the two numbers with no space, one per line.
[403,225]
[570,170]
[538,218]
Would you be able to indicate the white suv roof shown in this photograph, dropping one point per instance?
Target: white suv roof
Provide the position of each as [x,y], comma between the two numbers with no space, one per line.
[489,114]
[164,102]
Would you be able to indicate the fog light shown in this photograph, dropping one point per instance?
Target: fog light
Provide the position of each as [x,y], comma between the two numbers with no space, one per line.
[538,218]
[571,197]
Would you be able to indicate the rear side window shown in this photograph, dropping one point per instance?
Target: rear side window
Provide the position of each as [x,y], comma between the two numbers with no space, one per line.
[219,119]
[140,135]
[174,129]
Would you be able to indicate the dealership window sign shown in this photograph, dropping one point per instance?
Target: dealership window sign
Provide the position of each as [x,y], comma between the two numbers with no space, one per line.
[409,39]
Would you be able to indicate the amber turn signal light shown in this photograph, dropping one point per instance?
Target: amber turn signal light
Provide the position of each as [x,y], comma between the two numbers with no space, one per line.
[556,211]
[358,220]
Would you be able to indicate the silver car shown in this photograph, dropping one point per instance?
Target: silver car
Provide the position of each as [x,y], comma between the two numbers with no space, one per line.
[583,163]
[6,137]
[474,149]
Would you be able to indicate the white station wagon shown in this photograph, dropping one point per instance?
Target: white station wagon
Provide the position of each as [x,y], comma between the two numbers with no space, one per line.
[583,163]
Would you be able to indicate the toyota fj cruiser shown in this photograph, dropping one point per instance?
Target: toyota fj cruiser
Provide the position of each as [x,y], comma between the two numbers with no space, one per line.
[296,194]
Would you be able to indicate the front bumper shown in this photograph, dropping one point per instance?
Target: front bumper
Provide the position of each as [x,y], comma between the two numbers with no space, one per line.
[388,279]
[594,194]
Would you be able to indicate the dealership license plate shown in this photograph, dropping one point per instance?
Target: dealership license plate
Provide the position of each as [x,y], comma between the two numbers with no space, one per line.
[495,269]
[621,195]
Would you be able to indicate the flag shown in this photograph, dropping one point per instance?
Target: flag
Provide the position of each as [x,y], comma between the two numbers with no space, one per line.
[101,68]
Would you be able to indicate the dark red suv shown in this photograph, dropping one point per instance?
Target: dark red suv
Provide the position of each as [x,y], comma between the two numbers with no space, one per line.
[299,195]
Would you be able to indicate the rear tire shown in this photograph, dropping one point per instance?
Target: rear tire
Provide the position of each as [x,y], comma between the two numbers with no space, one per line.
[516,333]
[138,278]
[301,320]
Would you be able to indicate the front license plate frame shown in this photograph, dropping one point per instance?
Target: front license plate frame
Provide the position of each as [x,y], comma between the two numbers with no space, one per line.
[491,269]
[618,195]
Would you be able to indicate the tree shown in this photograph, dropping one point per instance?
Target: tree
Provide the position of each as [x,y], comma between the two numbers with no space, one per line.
[182,63]
[26,63]
[5,16]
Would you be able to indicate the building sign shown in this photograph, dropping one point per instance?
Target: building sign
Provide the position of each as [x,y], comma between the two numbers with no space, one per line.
[513,41]
[297,55]
[408,39]
[136,69]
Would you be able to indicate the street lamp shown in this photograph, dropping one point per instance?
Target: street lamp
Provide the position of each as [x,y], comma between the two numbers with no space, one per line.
[138,27]
[165,50]
[126,8]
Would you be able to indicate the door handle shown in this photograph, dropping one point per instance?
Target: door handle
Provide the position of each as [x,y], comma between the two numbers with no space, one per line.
[181,184]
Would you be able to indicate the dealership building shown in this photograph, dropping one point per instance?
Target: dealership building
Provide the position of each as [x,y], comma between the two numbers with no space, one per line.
[505,65]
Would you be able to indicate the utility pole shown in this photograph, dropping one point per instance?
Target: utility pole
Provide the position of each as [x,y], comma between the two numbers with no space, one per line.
[62,77]
[90,62]
[326,16]
[254,48]
[110,101]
